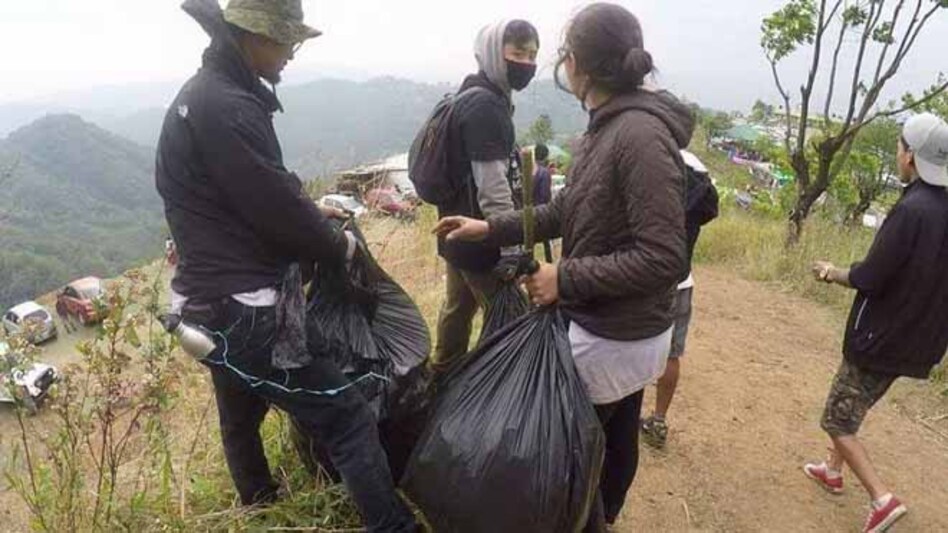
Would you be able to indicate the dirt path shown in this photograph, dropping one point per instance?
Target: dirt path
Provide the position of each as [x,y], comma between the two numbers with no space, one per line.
[746,418]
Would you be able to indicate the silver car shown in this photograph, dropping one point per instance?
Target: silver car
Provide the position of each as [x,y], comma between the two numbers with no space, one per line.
[344,202]
[31,319]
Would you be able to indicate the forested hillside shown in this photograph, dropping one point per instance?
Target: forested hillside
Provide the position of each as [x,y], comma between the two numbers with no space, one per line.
[74,200]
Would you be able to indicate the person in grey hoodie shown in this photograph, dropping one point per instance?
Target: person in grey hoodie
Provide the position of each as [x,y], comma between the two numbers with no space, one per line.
[483,156]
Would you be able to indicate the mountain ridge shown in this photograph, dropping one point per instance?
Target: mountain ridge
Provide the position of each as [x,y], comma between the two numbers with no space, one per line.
[79,200]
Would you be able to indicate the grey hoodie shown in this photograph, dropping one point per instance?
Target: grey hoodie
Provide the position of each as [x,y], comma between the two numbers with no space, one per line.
[489,51]
[490,177]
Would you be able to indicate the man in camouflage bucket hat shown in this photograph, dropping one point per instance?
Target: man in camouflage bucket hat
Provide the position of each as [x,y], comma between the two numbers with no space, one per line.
[280,20]
[273,29]
[241,221]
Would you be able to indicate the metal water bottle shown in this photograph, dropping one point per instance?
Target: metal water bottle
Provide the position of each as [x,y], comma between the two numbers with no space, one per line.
[195,341]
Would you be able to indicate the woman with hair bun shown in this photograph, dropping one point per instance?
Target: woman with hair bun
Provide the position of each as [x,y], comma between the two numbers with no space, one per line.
[622,220]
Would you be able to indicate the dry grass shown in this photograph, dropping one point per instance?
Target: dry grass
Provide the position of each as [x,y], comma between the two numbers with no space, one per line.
[754,246]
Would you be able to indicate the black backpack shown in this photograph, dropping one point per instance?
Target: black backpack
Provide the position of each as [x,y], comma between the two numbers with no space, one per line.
[428,157]
[701,198]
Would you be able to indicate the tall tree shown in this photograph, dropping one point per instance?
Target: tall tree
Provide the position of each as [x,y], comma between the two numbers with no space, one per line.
[884,32]
[761,112]
[717,123]
[541,131]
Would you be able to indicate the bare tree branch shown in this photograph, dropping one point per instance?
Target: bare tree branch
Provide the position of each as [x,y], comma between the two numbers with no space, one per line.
[788,134]
[912,25]
[807,90]
[935,93]
[888,44]
[871,22]
[908,41]
[833,72]
[829,18]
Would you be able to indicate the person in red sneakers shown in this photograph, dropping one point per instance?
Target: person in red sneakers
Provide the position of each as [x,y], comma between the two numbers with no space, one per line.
[897,324]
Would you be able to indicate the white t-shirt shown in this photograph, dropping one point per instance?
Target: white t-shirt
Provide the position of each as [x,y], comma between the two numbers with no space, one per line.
[688,283]
[611,370]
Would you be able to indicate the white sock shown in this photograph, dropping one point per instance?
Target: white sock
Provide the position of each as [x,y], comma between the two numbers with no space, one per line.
[882,501]
[830,473]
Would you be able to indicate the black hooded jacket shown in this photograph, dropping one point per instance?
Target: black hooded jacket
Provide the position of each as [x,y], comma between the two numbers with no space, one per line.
[899,319]
[237,215]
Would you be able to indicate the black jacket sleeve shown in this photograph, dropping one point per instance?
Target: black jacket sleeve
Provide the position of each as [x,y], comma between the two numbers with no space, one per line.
[889,252]
[241,154]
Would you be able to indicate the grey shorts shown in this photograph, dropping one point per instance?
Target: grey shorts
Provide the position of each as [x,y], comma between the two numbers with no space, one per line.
[854,391]
[682,309]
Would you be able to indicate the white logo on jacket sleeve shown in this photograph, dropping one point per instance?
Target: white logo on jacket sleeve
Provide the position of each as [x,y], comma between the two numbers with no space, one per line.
[183,111]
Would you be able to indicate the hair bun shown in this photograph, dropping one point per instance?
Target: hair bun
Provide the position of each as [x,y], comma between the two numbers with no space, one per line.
[637,65]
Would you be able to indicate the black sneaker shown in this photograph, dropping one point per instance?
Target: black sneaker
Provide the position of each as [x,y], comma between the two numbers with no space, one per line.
[655,431]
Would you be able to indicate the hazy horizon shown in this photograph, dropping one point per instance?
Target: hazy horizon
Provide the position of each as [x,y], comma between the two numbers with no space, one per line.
[706,51]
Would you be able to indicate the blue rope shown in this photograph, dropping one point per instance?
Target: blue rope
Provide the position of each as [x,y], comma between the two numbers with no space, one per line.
[256,382]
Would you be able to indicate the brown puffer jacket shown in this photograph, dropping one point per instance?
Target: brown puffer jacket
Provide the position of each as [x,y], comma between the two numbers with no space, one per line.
[622,218]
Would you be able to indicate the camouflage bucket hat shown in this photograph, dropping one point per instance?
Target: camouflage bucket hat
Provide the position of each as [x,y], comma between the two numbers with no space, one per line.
[280,20]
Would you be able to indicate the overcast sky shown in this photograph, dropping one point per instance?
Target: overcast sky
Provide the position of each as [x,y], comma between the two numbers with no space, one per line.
[706,49]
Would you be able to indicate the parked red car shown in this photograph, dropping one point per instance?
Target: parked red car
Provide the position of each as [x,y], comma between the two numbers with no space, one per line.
[82,300]
[390,202]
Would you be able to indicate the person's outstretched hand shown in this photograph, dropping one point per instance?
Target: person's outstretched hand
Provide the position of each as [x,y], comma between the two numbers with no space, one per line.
[543,285]
[822,271]
[461,229]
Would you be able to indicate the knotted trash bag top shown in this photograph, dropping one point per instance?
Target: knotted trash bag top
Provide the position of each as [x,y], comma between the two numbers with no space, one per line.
[513,445]
[507,305]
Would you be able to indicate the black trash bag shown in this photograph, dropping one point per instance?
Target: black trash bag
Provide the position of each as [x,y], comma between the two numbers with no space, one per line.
[507,305]
[408,402]
[365,321]
[398,328]
[514,444]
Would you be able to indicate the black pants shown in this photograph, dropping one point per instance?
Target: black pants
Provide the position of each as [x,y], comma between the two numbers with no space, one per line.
[342,422]
[620,422]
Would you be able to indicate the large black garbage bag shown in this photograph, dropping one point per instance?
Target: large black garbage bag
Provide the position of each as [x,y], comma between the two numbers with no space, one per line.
[513,445]
[398,328]
[365,321]
[509,304]
[408,404]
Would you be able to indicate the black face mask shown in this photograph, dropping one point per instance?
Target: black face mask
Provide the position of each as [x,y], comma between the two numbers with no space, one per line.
[519,75]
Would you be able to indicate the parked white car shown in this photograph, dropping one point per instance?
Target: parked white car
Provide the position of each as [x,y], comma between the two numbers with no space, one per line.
[31,384]
[31,318]
[344,202]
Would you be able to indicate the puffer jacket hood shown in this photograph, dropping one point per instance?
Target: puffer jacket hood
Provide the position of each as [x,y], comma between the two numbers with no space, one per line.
[489,51]
[663,105]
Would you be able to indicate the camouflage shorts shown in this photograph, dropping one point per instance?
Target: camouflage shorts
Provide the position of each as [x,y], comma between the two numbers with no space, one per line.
[855,390]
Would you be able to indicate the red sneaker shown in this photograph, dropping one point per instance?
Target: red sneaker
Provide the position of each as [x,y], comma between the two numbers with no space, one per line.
[819,473]
[882,519]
